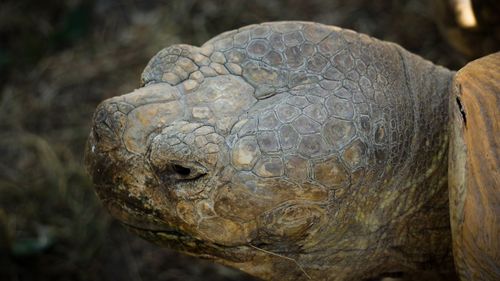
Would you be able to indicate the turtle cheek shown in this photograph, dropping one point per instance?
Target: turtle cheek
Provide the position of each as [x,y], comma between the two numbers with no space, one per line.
[290,222]
[199,219]
[226,232]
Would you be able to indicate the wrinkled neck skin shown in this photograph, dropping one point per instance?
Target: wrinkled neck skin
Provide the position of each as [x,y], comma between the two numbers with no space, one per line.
[291,151]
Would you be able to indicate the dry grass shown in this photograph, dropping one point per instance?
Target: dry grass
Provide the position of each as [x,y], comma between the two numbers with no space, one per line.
[51,225]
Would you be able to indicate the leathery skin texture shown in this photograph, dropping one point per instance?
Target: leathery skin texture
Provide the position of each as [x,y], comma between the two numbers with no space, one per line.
[289,150]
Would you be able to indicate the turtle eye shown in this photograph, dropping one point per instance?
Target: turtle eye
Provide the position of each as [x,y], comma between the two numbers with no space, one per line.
[176,171]
[181,170]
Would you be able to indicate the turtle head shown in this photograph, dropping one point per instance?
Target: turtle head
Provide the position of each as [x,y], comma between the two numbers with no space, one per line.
[279,144]
[190,167]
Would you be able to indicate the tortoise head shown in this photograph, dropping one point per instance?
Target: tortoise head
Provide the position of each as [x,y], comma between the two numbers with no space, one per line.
[193,167]
[269,144]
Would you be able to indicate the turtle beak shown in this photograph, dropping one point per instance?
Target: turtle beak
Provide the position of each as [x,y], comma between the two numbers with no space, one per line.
[128,119]
[121,127]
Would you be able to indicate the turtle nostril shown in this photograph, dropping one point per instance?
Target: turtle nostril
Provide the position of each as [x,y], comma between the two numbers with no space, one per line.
[183,171]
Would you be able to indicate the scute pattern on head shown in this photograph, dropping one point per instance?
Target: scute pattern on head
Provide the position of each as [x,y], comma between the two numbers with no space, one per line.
[294,138]
[332,87]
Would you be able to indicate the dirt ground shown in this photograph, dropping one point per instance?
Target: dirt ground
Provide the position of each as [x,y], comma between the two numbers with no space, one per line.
[59,59]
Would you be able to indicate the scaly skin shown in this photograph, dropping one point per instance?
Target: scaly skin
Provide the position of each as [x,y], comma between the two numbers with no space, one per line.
[289,150]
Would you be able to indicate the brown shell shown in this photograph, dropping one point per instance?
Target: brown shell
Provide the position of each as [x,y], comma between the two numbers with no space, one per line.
[474,169]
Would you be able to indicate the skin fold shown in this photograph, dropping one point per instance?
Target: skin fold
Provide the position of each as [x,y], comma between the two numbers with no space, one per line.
[289,150]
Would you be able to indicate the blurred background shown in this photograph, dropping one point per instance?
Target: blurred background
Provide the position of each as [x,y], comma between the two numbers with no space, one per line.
[59,59]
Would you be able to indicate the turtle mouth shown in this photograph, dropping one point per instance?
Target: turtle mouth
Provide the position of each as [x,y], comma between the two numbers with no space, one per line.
[187,244]
[165,232]
[165,235]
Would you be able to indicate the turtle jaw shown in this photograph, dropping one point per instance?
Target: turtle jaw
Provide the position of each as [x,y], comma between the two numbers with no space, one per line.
[175,239]
[147,224]
[245,257]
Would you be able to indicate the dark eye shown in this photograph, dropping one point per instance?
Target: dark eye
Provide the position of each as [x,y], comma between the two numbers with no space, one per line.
[190,171]
[182,171]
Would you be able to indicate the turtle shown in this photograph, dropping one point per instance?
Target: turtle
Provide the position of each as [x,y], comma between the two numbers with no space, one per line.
[301,151]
